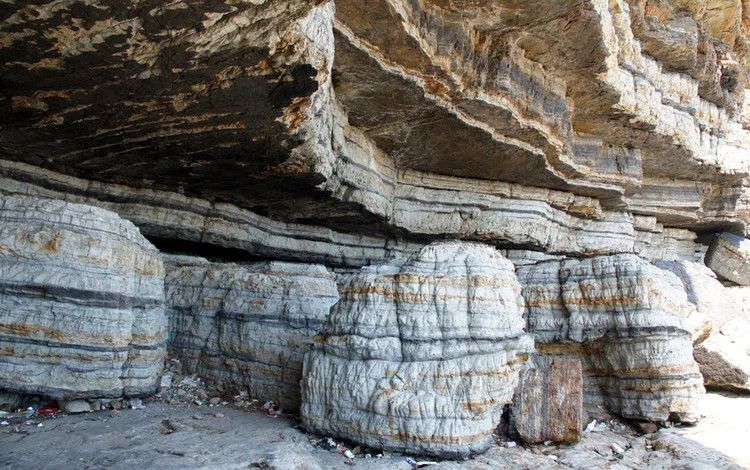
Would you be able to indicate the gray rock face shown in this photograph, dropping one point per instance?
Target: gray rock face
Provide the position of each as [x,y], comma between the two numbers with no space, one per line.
[81,302]
[420,355]
[724,354]
[247,326]
[729,257]
[627,323]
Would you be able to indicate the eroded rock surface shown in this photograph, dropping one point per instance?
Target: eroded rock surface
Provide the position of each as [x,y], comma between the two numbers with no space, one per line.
[420,356]
[729,257]
[627,324]
[81,302]
[723,354]
[548,405]
[247,327]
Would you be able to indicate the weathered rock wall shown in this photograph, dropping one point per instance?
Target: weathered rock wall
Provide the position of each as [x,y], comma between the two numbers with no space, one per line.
[246,327]
[628,324]
[81,302]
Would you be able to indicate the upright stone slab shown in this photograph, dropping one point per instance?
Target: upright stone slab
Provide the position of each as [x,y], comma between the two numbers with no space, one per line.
[81,302]
[247,327]
[729,257]
[548,403]
[420,356]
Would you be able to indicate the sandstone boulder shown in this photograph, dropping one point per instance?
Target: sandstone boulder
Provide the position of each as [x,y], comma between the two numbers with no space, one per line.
[629,326]
[81,302]
[420,355]
[247,326]
[729,257]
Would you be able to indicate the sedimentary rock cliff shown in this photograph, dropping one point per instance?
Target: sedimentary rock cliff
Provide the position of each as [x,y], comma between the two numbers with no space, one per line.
[583,139]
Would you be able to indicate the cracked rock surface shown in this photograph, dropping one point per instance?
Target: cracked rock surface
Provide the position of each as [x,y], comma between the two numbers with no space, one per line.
[81,302]
[420,356]
[246,327]
[628,325]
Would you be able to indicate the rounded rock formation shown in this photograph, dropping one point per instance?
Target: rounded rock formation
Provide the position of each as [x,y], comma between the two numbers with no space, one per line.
[420,356]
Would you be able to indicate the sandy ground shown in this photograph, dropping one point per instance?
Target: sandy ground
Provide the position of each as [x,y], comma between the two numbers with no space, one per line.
[223,437]
[725,426]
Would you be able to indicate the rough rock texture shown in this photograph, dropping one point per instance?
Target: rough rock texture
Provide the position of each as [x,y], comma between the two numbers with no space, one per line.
[627,324]
[584,138]
[624,133]
[247,327]
[81,302]
[548,405]
[729,257]
[724,356]
[420,355]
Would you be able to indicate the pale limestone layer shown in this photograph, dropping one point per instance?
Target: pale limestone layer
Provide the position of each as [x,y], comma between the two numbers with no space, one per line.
[81,302]
[420,355]
[629,324]
[729,257]
[724,354]
[247,327]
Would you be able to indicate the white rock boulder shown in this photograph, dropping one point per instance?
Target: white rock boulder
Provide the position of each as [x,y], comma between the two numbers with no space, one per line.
[420,356]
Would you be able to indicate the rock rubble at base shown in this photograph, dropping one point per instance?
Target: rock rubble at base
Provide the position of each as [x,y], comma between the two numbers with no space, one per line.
[81,302]
[421,355]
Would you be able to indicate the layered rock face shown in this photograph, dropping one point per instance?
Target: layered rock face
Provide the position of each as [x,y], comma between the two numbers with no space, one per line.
[81,302]
[723,354]
[420,355]
[628,325]
[272,122]
[583,138]
[247,327]
[729,257]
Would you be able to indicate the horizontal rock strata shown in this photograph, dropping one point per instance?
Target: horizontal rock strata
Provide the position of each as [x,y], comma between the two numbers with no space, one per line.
[421,355]
[627,324]
[81,302]
[729,257]
[246,327]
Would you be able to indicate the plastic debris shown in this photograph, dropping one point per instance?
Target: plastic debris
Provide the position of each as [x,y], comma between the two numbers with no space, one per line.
[4,423]
[594,426]
[419,464]
[510,444]
[273,408]
[136,404]
[348,454]
[166,381]
[616,448]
